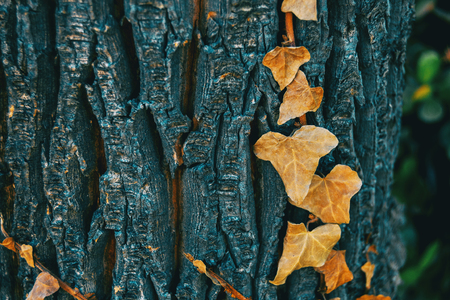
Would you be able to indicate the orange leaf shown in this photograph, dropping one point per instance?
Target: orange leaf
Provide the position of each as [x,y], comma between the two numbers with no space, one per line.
[303,248]
[335,270]
[299,99]
[284,63]
[372,297]
[373,249]
[44,286]
[26,252]
[368,268]
[9,243]
[302,9]
[296,157]
[329,198]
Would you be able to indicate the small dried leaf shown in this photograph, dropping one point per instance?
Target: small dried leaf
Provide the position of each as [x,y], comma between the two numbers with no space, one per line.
[299,99]
[302,9]
[296,158]
[201,267]
[373,249]
[368,268]
[372,297]
[284,63]
[303,248]
[336,298]
[26,252]
[9,243]
[329,198]
[44,286]
[335,270]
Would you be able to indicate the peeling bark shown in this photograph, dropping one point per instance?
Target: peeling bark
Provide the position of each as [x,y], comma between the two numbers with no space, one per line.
[126,133]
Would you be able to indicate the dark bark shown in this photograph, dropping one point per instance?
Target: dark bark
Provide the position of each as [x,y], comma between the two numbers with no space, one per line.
[126,135]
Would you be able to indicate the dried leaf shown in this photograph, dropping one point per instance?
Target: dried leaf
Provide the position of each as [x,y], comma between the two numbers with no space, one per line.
[44,286]
[303,248]
[9,243]
[373,249]
[296,158]
[284,63]
[368,268]
[26,252]
[335,270]
[329,198]
[302,9]
[299,99]
[372,297]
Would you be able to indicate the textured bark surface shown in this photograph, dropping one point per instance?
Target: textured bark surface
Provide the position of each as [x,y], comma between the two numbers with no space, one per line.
[126,131]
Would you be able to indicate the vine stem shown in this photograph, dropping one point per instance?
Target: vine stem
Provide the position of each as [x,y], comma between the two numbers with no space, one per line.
[291,41]
[74,292]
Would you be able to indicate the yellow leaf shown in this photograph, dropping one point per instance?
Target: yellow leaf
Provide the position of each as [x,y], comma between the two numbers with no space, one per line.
[44,286]
[335,270]
[26,252]
[299,99]
[302,9]
[303,248]
[422,92]
[372,297]
[296,157]
[368,268]
[284,63]
[329,198]
[9,243]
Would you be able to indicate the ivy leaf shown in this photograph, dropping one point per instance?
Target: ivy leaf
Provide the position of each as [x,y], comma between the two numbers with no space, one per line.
[44,286]
[302,9]
[368,268]
[26,251]
[335,270]
[296,158]
[284,63]
[372,297]
[299,99]
[9,243]
[303,248]
[329,198]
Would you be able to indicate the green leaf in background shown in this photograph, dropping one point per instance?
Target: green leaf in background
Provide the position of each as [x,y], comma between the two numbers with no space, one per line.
[428,66]
[411,275]
[431,111]
[422,92]
[423,7]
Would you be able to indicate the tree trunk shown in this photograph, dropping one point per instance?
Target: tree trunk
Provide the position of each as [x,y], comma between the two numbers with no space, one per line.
[127,133]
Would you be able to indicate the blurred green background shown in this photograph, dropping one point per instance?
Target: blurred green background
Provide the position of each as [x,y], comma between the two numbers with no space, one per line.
[422,173]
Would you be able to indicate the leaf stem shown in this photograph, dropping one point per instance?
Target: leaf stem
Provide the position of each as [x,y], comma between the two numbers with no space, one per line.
[290,29]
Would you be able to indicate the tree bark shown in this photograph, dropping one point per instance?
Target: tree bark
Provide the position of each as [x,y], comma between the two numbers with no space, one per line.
[127,132]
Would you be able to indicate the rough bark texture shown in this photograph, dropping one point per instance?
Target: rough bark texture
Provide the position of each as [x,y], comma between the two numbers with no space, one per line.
[126,133]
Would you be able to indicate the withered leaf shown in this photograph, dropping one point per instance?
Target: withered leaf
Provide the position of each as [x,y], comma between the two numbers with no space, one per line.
[284,63]
[329,198]
[302,9]
[372,297]
[9,243]
[368,268]
[335,270]
[26,252]
[44,286]
[299,99]
[296,157]
[303,248]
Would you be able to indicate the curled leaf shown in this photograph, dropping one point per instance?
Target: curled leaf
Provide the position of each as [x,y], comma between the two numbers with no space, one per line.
[372,297]
[44,286]
[335,271]
[303,248]
[26,251]
[368,268]
[9,243]
[284,63]
[201,267]
[296,157]
[299,99]
[329,198]
[302,9]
